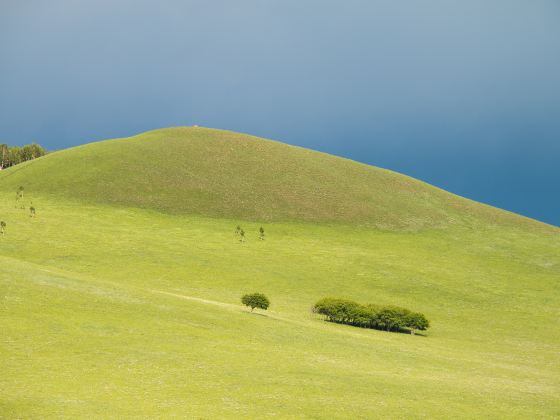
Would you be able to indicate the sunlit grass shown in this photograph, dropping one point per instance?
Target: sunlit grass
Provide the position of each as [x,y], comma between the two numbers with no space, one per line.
[115,312]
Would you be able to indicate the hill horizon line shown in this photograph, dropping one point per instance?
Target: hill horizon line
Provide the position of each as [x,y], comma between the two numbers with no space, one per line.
[323,169]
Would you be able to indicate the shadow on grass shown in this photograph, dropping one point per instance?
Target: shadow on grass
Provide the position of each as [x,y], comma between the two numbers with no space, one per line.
[398,331]
[255,313]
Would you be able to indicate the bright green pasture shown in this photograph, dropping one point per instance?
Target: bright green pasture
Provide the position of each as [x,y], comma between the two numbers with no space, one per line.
[115,312]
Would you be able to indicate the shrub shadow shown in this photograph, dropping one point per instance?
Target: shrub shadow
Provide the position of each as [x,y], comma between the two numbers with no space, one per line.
[399,330]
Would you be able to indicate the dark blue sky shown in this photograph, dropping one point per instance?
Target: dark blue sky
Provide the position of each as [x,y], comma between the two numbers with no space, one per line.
[462,94]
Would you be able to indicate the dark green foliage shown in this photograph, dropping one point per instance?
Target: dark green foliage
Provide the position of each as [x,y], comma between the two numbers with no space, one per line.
[261,233]
[337,310]
[32,211]
[255,300]
[417,321]
[388,318]
[10,156]
[392,318]
[2,227]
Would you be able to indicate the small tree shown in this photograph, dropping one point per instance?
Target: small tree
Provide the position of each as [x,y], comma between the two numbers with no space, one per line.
[31,211]
[337,310]
[2,227]
[237,230]
[255,300]
[241,235]
[392,318]
[19,196]
[15,155]
[416,321]
[261,233]
[4,156]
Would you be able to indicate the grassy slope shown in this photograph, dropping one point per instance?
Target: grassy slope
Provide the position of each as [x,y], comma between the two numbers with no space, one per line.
[225,174]
[94,322]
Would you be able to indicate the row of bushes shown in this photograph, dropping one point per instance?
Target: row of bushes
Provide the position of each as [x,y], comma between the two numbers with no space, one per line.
[388,318]
[10,156]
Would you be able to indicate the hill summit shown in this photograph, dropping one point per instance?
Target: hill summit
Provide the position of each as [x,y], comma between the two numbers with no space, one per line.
[217,173]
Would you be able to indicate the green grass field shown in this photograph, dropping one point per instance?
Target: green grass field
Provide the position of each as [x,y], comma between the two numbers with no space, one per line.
[121,298]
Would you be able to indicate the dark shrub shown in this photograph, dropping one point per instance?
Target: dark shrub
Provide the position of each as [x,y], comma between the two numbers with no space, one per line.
[336,310]
[416,321]
[364,317]
[256,300]
[389,318]
[392,318]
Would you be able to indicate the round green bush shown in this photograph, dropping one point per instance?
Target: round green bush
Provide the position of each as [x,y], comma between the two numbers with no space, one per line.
[255,300]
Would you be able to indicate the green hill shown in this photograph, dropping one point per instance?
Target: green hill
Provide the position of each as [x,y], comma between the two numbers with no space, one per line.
[224,174]
[121,298]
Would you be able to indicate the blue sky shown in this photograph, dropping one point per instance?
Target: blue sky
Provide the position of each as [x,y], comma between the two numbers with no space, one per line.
[462,94]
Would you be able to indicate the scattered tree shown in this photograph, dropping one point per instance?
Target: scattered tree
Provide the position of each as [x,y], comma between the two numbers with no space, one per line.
[255,300]
[241,235]
[2,227]
[19,196]
[32,211]
[261,233]
[19,193]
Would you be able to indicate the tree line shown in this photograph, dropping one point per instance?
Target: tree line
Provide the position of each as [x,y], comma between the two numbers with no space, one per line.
[13,155]
[388,318]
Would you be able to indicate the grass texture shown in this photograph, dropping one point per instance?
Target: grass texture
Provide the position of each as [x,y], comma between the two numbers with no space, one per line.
[116,302]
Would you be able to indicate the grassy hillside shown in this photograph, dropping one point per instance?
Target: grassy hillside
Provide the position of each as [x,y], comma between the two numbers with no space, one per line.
[111,310]
[224,174]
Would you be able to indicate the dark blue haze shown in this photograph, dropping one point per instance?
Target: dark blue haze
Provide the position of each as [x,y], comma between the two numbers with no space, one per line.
[462,94]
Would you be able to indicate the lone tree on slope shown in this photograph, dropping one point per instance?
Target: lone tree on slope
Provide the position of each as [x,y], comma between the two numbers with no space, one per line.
[31,211]
[2,227]
[19,196]
[20,193]
[255,300]
[261,233]
[241,235]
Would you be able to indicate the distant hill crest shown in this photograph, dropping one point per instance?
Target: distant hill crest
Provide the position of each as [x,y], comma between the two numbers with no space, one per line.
[218,173]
